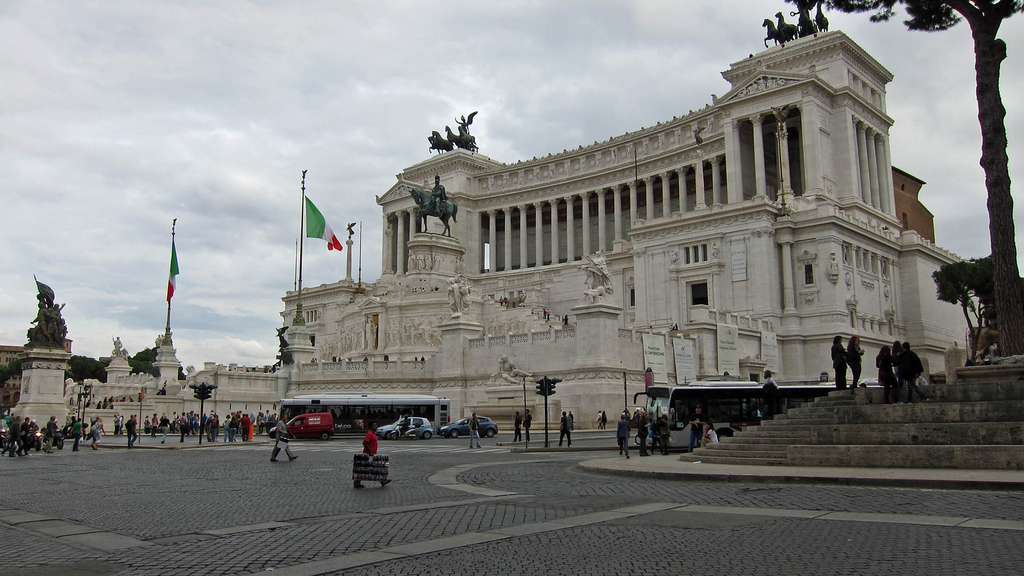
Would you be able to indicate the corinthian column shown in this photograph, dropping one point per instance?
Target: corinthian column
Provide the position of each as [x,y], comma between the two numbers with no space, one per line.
[698,180]
[538,238]
[759,174]
[554,231]
[617,209]
[570,229]
[602,239]
[400,253]
[869,136]
[666,193]
[716,180]
[586,222]
[507,265]
[492,218]
[649,187]
[862,155]
[523,251]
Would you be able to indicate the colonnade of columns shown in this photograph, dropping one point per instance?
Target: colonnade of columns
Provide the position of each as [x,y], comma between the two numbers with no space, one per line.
[875,169]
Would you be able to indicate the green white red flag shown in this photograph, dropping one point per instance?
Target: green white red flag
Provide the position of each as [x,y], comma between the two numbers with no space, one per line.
[317,227]
[174,272]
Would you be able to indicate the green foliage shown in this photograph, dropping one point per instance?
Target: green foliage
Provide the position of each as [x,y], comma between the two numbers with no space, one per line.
[142,362]
[83,367]
[12,368]
[970,284]
[927,15]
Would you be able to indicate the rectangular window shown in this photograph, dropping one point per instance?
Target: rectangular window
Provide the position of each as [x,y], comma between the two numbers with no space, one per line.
[699,294]
[686,254]
[704,252]
[632,296]
[808,274]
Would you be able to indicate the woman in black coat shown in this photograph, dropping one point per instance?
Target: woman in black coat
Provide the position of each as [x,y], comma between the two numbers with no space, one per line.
[839,362]
[853,359]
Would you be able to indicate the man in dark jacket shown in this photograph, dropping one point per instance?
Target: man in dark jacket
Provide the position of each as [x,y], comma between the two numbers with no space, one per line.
[14,436]
[518,425]
[564,430]
[131,427]
[910,369]
[622,434]
[49,433]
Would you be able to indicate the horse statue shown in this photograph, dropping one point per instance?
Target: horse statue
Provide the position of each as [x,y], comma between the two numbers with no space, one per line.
[426,206]
[773,33]
[467,142]
[820,20]
[437,142]
[806,24]
[787,32]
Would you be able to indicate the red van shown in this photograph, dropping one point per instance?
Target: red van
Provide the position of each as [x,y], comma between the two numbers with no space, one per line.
[314,425]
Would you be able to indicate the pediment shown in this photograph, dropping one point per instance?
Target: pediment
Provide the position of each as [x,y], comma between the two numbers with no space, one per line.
[399,190]
[763,81]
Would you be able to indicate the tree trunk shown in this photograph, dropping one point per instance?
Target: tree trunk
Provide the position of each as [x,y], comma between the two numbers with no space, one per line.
[989,53]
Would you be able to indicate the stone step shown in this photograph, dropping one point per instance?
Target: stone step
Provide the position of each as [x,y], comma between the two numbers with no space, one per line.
[977,392]
[778,434]
[916,456]
[790,422]
[944,433]
[746,450]
[989,411]
[784,440]
[716,459]
[808,412]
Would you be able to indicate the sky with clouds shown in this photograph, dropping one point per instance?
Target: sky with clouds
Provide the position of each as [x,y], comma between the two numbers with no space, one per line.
[118,116]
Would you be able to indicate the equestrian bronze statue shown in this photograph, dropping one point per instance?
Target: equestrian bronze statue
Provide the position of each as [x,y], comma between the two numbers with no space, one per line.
[434,203]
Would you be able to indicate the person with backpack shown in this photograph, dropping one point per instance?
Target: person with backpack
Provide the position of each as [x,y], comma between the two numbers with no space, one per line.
[910,369]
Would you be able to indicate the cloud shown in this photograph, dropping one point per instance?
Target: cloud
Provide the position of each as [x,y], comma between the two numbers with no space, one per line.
[118,117]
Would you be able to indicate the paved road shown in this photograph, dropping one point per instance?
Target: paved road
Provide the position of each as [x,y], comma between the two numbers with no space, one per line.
[456,510]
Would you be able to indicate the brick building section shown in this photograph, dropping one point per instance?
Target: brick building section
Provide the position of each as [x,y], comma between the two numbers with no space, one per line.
[912,214]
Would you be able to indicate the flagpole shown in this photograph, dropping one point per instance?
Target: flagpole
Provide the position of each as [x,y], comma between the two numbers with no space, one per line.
[359,284]
[167,328]
[299,320]
[295,272]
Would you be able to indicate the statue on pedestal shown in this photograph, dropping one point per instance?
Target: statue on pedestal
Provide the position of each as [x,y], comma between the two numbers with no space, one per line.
[119,351]
[508,371]
[458,294]
[49,330]
[435,203]
[599,279]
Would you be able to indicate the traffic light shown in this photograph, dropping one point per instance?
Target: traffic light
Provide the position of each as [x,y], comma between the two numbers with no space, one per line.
[551,385]
[203,391]
[542,386]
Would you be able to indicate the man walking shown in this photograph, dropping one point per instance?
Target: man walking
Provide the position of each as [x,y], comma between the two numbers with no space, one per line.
[622,434]
[563,430]
[518,425]
[474,430]
[132,427]
[366,465]
[526,424]
[49,433]
[281,438]
[183,426]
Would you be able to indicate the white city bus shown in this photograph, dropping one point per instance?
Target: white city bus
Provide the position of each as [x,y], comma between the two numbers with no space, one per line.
[353,411]
[730,406]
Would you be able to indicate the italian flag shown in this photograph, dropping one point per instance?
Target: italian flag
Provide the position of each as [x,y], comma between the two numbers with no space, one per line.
[174,272]
[317,227]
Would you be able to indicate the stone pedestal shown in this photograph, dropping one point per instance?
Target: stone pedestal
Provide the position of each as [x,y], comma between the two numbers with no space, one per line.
[432,256]
[300,347]
[597,337]
[168,365]
[118,370]
[454,334]
[42,384]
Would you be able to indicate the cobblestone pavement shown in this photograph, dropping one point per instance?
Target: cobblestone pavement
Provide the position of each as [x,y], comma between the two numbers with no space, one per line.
[450,509]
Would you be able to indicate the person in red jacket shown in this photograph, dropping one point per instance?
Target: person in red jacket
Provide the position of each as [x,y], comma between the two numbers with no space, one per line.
[246,427]
[370,450]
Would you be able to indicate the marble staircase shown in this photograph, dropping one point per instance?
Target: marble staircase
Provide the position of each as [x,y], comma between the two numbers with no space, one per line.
[967,425]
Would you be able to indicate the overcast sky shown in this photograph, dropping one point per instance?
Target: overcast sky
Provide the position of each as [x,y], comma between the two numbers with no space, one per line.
[116,117]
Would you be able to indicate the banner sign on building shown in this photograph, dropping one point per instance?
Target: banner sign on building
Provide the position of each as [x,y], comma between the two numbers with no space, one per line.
[728,349]
[654,356]
[684,350]
[738,260]
[770,350]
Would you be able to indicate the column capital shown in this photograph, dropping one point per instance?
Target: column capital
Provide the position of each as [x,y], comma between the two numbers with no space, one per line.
[756,119]
[717,160]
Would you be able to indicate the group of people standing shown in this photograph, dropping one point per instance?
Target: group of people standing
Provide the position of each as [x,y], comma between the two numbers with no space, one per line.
[897,366]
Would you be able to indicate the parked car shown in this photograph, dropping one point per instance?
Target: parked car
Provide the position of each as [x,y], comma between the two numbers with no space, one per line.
[461,428]
[409,427]
[313,425]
